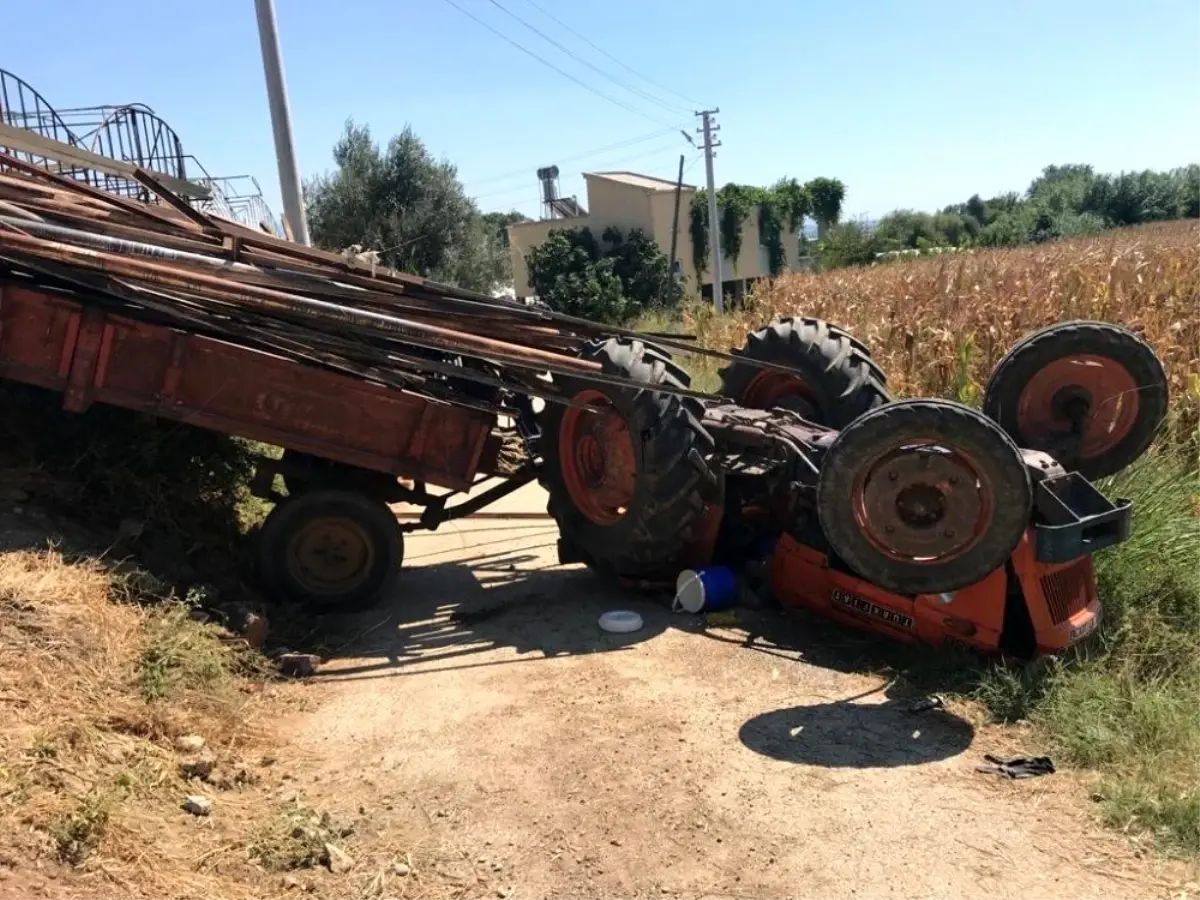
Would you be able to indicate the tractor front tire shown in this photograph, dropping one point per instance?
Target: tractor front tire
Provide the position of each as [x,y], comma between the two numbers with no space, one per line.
[923,496]
[627,476]
[833,379]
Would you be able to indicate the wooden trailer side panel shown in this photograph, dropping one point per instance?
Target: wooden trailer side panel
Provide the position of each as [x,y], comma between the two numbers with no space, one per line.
[53,342]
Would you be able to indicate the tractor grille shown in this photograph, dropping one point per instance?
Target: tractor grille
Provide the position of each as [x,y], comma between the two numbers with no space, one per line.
[1066,590]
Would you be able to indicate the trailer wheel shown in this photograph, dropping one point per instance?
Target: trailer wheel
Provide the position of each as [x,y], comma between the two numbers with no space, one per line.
[923,496]
[834,380]
[330,550]
[1090,394]
[627,482]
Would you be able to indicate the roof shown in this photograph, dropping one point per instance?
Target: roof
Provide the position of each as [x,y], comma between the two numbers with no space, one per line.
[633,179]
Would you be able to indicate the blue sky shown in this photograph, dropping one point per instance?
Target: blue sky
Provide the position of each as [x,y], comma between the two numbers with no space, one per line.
[914,104]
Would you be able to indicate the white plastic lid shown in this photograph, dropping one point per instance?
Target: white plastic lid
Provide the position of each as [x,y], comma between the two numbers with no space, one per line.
[621,621]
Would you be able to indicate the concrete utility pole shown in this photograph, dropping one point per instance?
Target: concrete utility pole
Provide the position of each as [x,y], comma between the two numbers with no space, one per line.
[281,121]
[714,226]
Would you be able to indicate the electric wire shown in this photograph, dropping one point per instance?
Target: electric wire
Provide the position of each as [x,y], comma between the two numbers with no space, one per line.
[583,84]
[691,103]
[673,108]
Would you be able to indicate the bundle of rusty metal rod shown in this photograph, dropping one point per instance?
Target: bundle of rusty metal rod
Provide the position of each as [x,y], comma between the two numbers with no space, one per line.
[169,262]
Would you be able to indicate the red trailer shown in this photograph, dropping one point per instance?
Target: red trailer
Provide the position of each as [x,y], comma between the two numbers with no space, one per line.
[349,440]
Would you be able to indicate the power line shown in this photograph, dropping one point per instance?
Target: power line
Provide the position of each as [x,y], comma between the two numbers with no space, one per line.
[669,107]
[658,152]
[603,52]
[550,65]
[522,173]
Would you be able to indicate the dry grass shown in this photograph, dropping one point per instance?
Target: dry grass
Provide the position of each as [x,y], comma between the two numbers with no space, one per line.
[94,688]
[938,325]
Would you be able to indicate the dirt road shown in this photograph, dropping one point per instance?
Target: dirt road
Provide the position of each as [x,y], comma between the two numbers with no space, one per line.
[488,729]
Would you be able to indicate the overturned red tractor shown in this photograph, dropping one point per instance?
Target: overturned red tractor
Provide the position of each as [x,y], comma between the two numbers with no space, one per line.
[925,520]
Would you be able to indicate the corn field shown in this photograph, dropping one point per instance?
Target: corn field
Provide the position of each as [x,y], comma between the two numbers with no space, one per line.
[938,325]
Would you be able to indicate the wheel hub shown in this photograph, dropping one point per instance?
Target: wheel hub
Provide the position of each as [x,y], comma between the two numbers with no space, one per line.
[597,459]
[330,555]
[922,504]
[771,389]
[1091,397]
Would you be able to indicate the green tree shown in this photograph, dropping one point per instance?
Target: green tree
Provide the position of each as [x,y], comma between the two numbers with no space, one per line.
[406,205]
[849,244]
[496,224]
[976,209]
[905,228]
[827,196]
[612,279]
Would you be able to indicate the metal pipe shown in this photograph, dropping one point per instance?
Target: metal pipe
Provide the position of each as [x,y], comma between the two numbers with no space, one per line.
[281,121]
[421,334]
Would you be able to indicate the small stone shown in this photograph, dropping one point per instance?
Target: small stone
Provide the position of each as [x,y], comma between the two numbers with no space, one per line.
[402,869]
[291,881]
[615,842]
[197,805]
[298,665]
[201,767]
[189,743]
[255,629]
[497,866]
[338,860]
[267,761]
[503,892]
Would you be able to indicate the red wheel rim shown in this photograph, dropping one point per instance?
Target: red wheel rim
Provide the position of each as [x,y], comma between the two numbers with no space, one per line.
[597,459]
[1100,389]
[922,503]
[770,389]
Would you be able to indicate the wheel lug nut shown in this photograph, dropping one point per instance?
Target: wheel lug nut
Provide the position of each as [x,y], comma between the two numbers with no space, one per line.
[949,532]
[893,475]
[889,528]
[954,479]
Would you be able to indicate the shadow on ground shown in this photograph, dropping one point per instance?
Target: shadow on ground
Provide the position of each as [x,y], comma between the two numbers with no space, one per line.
[444,615]
[857,734]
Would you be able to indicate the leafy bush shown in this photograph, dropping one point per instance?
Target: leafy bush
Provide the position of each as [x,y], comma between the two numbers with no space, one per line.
[611,280]
[849,244]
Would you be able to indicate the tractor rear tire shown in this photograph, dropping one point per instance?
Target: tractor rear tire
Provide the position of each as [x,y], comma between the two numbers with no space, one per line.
[330,550]
[834,382]
[923,496]
[626,484]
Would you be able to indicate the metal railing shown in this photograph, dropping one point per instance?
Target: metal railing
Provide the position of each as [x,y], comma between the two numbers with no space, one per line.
[132,133]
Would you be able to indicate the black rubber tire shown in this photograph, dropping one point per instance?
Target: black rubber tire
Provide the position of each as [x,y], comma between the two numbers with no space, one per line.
[673,481]
[285,522]
[839,370]
[1022,362]
[958,426]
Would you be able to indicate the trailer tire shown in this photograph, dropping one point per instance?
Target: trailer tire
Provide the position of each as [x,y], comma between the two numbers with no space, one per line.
[626,485]
[330,550]
[834,382]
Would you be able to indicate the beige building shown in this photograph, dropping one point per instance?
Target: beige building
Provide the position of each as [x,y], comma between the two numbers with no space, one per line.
[628,201]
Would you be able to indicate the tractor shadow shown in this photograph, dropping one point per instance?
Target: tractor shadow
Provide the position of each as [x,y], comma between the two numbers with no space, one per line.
[858,734]
[900,723]
[491,595]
